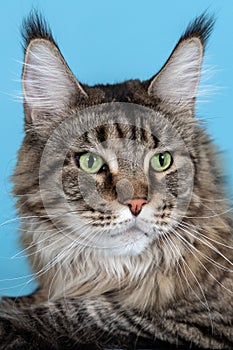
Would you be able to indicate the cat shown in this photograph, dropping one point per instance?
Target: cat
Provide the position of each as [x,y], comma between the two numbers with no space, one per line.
[125,219]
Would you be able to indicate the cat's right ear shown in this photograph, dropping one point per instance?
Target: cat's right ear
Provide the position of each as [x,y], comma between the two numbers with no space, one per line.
[177,82]
[50,89]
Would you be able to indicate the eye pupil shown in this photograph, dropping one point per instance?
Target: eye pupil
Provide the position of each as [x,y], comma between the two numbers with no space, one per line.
[90,161]
[161,159]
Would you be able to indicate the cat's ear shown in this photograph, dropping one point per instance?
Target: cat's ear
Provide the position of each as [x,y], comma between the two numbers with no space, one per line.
[177,82]
[49,87]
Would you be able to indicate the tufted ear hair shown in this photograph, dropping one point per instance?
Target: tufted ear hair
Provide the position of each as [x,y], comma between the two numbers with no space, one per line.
[49,86]
[177,81]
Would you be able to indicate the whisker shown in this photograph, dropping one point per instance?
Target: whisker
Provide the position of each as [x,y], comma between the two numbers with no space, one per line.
[210,200]
[209,246]
[211,216]
[205,236]
[205,303]
[190,247]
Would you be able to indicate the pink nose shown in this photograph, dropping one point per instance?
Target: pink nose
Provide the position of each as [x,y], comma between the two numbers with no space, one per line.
[135,205]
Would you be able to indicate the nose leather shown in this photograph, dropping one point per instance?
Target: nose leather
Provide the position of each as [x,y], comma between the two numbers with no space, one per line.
[135,205]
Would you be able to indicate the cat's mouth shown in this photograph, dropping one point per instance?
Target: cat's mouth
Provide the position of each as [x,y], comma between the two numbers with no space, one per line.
[130,239]
[129,242]
[130,230]
[129,235]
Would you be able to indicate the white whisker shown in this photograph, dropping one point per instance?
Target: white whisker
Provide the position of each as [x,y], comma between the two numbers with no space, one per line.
[190,247]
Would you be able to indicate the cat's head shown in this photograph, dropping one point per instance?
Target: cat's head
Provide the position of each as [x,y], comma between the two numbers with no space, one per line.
[112,167]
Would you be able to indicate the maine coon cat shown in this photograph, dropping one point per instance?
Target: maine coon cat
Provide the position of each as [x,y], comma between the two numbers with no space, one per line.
[124,215]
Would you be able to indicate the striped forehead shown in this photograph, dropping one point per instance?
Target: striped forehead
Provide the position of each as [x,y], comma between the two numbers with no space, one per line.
[122,132]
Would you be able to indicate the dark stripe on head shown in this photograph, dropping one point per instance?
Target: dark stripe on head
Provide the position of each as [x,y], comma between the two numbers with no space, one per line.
[101,133]
[120,131]
[133,132]
[154,140]
[84,138]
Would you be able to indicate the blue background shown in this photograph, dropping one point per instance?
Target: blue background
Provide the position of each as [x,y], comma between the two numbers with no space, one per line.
[104,41]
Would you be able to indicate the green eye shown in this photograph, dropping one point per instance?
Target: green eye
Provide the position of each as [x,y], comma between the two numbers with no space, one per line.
[161,161]
[90,162]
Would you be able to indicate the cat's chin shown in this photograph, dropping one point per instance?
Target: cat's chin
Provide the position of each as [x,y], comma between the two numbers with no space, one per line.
[133,241]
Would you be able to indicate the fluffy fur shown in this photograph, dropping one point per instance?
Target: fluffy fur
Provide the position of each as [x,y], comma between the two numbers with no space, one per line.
[107,277]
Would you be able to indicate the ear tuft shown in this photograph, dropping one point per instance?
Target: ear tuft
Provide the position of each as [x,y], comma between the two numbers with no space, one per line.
[201,28]
[34,26]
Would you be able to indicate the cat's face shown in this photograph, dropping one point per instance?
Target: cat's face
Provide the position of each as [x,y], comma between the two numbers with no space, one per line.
[116,177]
[109,175]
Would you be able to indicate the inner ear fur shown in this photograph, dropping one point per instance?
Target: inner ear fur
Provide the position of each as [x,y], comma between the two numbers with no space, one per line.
[177,81]
[49,86]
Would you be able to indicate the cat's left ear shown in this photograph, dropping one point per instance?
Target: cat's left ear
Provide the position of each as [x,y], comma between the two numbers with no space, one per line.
[177,81]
